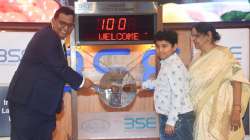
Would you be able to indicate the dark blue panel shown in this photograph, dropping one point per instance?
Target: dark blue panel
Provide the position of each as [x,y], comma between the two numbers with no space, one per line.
[4,113]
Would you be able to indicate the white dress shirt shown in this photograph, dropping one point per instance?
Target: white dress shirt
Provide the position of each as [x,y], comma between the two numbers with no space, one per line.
[171,95]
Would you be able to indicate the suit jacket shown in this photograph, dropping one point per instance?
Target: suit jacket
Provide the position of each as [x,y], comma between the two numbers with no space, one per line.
[42,73]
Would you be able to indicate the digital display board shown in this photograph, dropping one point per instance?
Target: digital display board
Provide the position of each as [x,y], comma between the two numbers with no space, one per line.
[111,29]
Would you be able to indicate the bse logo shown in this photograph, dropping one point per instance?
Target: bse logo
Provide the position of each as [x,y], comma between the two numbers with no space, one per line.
[138,123]
[148,69]
[237,51]
[11,56]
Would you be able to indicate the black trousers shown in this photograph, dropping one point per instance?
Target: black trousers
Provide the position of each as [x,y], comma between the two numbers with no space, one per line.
[27,124]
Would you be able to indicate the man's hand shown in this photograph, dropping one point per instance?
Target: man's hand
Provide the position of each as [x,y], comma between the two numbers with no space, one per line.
[86,88]
[169,130]
[87,83]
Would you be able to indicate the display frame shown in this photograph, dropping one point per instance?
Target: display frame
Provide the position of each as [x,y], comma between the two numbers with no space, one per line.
[78,40]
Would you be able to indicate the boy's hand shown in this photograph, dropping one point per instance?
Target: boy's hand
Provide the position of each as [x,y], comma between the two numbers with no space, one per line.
[130,87]
[169,130]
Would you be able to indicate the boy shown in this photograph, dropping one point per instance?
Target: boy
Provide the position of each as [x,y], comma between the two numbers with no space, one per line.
[171,88]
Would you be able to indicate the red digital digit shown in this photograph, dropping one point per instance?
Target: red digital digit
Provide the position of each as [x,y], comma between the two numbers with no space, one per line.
[103,23]
[99,24]
[110,24]
[122,24]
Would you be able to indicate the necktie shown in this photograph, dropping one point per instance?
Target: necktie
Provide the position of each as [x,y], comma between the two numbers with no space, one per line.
[65,50]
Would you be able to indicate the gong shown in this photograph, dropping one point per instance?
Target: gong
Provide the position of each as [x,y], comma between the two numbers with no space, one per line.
[111,88]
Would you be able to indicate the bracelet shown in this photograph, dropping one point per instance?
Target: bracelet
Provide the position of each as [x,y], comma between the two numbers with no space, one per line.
[236,107]
[236,111]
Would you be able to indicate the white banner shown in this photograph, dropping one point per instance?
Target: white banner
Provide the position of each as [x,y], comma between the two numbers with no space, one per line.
[12,48]
[237,40]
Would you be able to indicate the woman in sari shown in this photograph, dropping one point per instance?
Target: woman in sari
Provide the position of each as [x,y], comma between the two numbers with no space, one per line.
[219,91]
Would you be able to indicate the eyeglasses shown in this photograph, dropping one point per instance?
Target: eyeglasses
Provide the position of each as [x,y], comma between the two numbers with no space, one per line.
[64,24]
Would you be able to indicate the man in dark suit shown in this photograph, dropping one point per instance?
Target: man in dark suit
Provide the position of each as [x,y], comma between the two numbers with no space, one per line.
[36,89]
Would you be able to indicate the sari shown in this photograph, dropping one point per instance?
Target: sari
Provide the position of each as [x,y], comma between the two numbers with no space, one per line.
[212,94]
